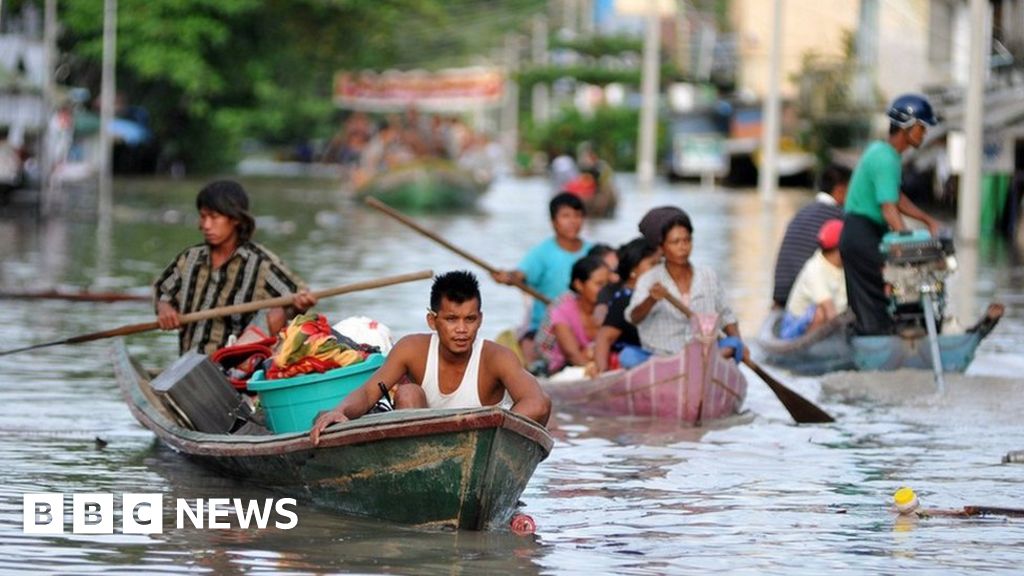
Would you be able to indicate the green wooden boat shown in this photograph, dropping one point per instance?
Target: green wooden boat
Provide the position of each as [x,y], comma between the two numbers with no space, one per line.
[426,186]
[432,468]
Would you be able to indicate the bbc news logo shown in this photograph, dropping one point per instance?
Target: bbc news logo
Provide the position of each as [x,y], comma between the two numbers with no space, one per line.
[44,513]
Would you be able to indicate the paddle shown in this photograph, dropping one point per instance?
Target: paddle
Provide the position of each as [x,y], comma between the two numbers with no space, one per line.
[229,310]
[801,409]
[373,202]
[82,296]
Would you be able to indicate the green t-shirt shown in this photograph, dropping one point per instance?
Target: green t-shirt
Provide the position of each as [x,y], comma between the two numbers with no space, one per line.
[875,181]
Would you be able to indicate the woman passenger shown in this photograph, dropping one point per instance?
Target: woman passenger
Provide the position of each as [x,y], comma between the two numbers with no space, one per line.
[663,328]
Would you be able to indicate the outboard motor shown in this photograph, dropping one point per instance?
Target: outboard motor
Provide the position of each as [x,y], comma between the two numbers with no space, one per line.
[916,268]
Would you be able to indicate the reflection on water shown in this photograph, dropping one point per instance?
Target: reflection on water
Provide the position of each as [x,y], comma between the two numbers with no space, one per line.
[752,494]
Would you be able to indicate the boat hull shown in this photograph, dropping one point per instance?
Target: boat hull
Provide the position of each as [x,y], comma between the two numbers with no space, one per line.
[837,349]
[895,352]
[827,350]
[425,188]
[694,386]
[433,468]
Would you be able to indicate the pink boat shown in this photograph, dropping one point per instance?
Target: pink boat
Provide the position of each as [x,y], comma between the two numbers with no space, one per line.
[693,386]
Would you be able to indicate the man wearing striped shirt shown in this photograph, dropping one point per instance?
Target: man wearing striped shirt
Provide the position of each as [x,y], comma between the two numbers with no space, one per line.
[227,269]
[801,238]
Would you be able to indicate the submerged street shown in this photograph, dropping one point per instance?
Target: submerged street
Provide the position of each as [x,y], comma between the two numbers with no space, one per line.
[752,494]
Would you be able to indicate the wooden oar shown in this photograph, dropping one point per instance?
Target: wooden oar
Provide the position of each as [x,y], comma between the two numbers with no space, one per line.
[801,409]
[81,296]
[373,202]
[229,310]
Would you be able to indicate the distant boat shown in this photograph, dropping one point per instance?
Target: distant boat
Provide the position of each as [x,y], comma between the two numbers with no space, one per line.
[433,468]
[426,186]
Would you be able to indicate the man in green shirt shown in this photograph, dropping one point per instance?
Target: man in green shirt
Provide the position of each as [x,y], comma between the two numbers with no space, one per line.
[874,205]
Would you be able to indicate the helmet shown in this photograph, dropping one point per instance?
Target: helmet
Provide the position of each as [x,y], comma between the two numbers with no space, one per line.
[909,109]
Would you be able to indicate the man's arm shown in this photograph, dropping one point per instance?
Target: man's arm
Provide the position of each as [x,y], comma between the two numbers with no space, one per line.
[908,208]
[360,400]
[891,213]
[527,396]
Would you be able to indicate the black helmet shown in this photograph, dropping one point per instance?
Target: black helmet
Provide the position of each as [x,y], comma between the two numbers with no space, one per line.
[911,108]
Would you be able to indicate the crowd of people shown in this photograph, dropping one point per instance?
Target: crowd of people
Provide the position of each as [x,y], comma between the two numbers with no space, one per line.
[602,308]
[365,147]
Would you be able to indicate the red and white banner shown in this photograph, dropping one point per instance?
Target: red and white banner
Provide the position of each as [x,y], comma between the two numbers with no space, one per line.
[450,90]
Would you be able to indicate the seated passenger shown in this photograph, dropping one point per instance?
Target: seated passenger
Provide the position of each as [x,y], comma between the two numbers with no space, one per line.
[819,293]
[567,335]
[663,328]
[449,368]
[618,343]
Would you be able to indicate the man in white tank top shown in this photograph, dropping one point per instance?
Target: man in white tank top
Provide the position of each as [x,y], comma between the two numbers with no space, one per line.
[449,368]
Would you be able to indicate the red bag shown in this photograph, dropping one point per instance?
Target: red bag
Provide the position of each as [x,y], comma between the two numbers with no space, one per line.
[241,361]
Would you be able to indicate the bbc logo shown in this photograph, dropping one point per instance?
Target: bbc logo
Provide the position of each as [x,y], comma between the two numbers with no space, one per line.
[92,513]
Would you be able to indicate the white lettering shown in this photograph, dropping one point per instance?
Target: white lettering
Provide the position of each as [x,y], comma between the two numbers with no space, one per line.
[246,513]
[195,516]
[92,513]
[142,514]
[292,516]
[218,509]
[43,513]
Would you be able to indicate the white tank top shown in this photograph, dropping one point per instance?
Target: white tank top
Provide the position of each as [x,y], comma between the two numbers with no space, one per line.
[467,395]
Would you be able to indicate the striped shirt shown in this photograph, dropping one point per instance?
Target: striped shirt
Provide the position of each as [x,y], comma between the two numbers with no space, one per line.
[800,242]
[190,284]
[665,330]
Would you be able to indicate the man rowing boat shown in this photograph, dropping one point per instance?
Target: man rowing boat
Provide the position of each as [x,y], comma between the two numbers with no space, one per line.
[228,268]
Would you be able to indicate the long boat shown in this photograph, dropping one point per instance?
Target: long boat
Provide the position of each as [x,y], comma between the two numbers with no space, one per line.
[691,387]
[461,469]
[834,347]
[426,186]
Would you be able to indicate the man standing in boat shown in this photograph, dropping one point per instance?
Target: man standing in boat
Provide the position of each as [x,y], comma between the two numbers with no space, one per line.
[449,368]
[227,269]
[874,205]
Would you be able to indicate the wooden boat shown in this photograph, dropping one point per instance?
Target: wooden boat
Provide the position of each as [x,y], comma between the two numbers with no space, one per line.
[433,468]
[693,386]
[834,347]
[824,350]
[425,186]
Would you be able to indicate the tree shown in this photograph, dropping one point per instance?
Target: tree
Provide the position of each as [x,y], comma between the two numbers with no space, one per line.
[213,72]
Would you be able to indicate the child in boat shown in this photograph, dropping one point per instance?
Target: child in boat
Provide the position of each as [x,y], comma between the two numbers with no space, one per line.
[663,328]
[547,266]
[567,335]
[819,293]
[618,343]
[228,268]
[449,368]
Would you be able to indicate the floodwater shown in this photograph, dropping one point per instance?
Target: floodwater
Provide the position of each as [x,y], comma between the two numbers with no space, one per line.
[754,495]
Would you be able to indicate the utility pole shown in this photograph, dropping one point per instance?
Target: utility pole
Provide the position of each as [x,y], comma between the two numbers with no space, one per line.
[108,84]
[646,147]
[968,215]
[48,200]
[768,172]
[510,111]
[539,49]
[867,54]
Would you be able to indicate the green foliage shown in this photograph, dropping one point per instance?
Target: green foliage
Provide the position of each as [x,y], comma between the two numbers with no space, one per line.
[612,131]
[598,46]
